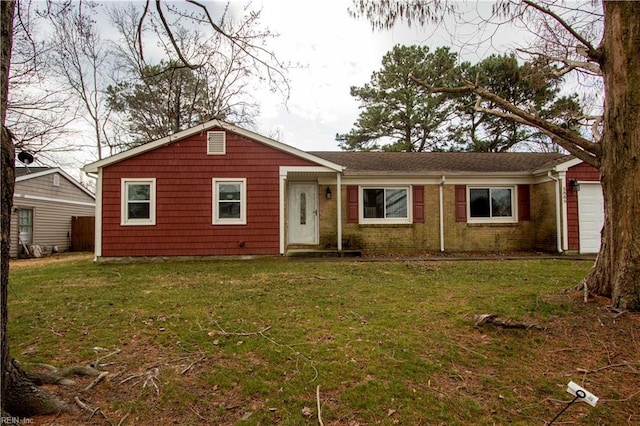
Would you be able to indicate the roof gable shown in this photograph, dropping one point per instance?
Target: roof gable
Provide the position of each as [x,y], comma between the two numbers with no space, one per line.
[28,173]
[213,124]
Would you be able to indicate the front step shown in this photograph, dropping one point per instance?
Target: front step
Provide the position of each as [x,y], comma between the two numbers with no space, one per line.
[316,253]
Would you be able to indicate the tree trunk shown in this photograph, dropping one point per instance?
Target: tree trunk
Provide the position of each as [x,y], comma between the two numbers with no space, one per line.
[616,273]
[24,399]
[18,396]
[7,9]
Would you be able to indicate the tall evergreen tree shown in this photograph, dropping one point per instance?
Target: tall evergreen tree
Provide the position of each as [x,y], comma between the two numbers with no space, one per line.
[168,99]
[398,115]
[531,86]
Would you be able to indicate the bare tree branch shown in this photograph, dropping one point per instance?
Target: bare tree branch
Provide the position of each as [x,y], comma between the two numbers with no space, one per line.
[140,26]
[570,64]
[592,52]
[169,33]
[567,139]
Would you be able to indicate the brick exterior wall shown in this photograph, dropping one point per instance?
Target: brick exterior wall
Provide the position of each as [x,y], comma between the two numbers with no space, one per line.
[543,217]
[538,233]
[493,237]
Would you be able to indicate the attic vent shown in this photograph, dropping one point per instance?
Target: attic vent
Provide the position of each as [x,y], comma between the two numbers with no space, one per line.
[56,180]
[216,142]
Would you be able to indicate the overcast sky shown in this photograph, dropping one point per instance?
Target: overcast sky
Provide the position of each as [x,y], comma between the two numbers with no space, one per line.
[336,52]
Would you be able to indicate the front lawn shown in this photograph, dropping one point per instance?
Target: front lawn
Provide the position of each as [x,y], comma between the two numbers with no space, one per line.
[264,341]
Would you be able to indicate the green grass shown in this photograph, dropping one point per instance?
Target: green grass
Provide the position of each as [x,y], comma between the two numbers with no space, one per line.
[387,342]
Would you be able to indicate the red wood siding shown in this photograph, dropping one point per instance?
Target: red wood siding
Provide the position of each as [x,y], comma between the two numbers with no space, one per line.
[184,174]
[585,173]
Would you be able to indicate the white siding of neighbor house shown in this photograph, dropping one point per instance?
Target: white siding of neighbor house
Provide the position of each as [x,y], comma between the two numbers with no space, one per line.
[53,207]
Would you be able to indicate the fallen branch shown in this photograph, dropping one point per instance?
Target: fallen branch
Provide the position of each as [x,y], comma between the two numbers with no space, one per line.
[192,364]
[196,413]
[261,333]
[470,350]
[152,376]
[493,320]
[85,407]
[150,379]
[96,363]
[622,400]
[121,422]
[622,364]
[319,409]
[93,411]
[135,376]
[96,381]
[222,332]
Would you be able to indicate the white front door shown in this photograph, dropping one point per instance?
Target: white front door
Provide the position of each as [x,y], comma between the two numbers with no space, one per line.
[303,213]
[590,216]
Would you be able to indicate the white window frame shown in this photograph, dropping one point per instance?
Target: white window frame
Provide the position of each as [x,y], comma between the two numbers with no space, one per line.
[499,219]
[242,220]
[385,221]
[124,220]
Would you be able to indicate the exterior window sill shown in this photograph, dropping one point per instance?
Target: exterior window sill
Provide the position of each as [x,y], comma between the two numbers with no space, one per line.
[493,225]
[385,225]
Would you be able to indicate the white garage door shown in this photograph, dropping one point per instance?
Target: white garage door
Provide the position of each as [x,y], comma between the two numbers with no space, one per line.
[590,216]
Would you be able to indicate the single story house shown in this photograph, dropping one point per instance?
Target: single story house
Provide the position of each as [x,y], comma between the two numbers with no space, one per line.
[218,189]
[44,201]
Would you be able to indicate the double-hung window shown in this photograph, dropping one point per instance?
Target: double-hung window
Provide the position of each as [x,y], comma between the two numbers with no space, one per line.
[492,204]
[229,201]
[138,201]
[385,205]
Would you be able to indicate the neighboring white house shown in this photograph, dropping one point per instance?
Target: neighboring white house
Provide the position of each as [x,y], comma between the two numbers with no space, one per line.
[44,201]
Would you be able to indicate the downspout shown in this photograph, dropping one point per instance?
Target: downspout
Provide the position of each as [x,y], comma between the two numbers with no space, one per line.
[441,199]
[281,196]
[339,207]
[98,225]
[558,212]
[565,226]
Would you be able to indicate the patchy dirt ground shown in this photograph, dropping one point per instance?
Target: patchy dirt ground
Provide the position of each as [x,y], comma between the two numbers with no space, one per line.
[153,379]
[605,342]
[46,260]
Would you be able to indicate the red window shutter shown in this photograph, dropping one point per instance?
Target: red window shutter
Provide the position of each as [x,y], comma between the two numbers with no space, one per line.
[524,203]
[461,203]
[418,204]
[352,204]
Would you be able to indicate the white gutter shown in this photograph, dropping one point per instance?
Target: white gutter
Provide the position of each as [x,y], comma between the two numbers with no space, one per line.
[558,212]
[53,200]
[339,207]
[441,196]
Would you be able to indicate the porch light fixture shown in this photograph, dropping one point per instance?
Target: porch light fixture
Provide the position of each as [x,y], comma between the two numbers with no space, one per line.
[575,185]
[327,193]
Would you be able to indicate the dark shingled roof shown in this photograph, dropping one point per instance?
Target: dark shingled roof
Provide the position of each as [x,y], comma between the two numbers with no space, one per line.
[437,163]
[23,171]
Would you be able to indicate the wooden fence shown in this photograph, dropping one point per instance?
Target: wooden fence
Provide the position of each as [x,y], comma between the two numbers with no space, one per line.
[83,233]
